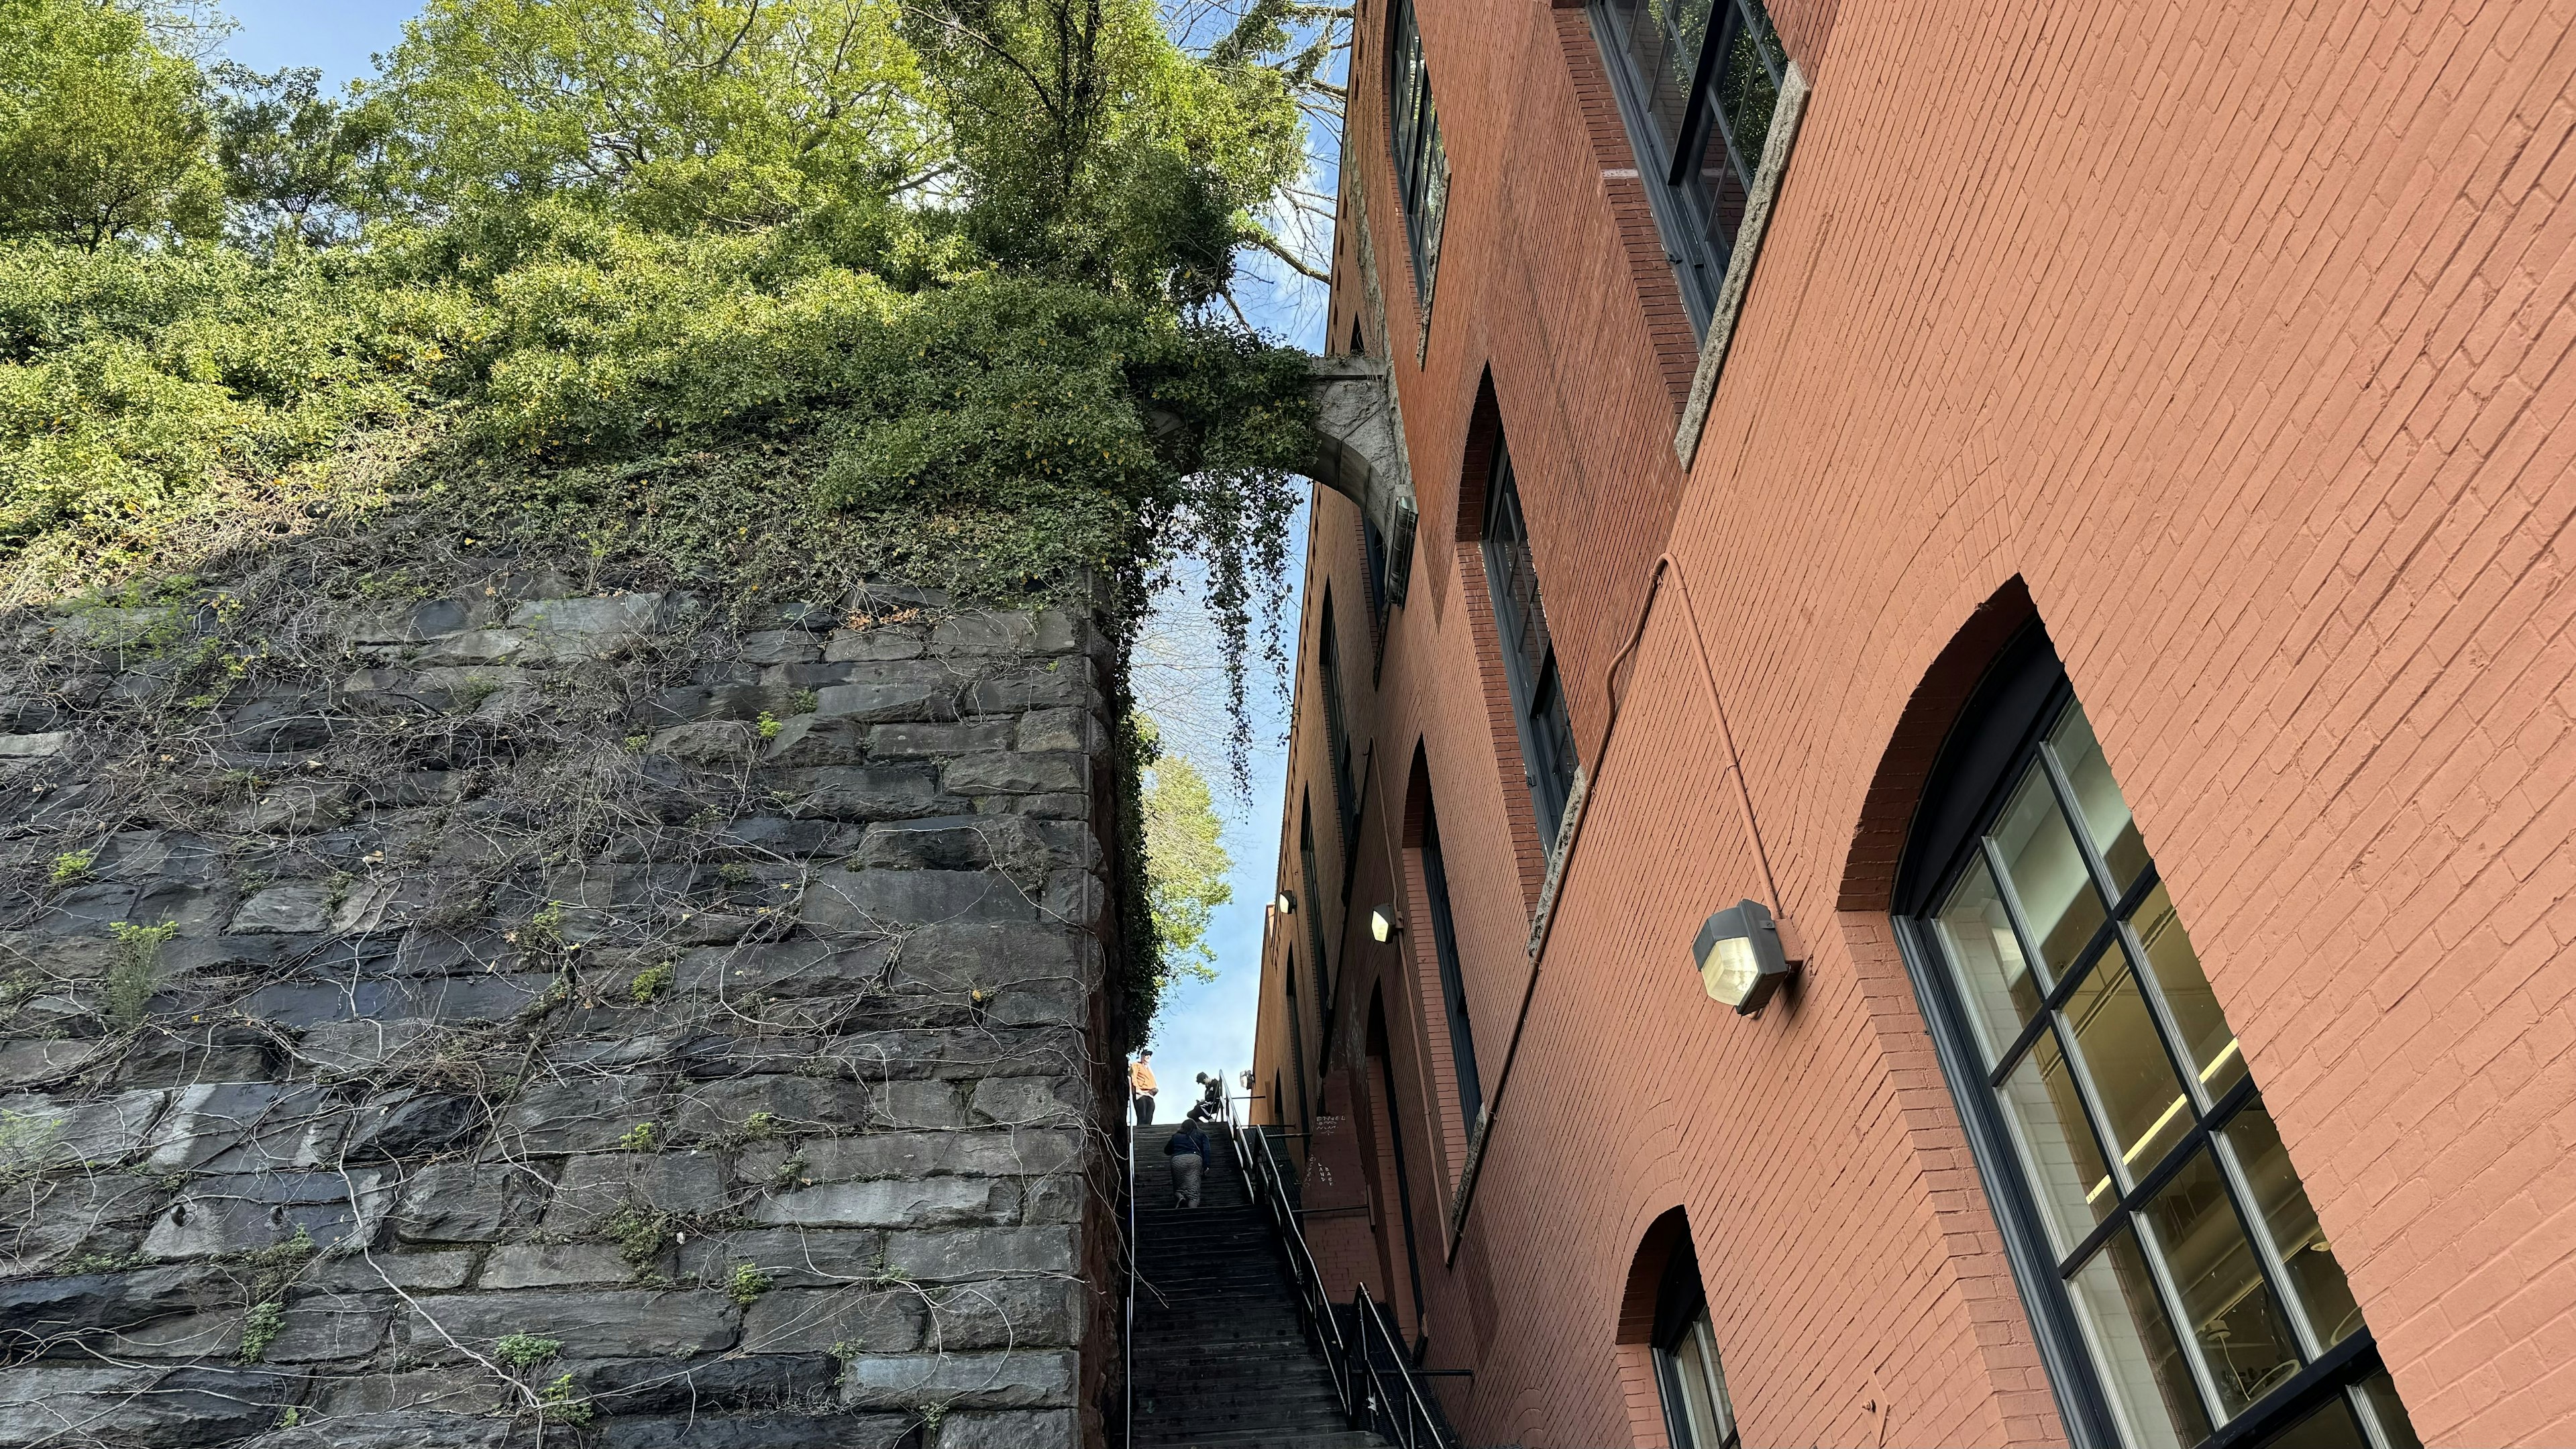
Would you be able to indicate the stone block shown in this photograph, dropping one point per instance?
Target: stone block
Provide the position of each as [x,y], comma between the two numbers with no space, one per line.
[782,1431]
[43,1404]
[34,1309]
[40,746]
[1051,730]
[885,641]
[1016,772]
[476,646]
[327,1327]
[412,1271]
[862,792]
[594,1188]
[791,1257]
[807,739]
[1007,1429]
[876,900]
[590,1323]
[984,632]
[1023,1379]
[970,955]
[405,1429]
[780,646]
[785,969]
[932,1202]
[916,741]
[246,1127]
[915,1103]
[592,626]
[820,1320]
[965,1254]
[468,1202]
[552,1265]
[954,842]
[794,1103]
[106,1131]
[896,689]
[713,1389]
[411,1123]
[1060,683]
[582,1115]
[222,1215]
[926,1154]
[1007,1313]
[712,742]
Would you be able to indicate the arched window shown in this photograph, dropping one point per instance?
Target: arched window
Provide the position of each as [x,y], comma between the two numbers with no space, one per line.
[1697,1412]
[2177,1276]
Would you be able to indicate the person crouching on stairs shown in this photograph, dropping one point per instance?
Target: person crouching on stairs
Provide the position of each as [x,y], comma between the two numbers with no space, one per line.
[1189,1152]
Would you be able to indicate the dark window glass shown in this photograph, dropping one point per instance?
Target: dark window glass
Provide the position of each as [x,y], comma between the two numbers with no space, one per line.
[1373,558]
[1697,1412]
[1529,658]
[2197,1281]
[1421,162]
[1312,906]
[1698,81]
[1337,737]
[1453,984]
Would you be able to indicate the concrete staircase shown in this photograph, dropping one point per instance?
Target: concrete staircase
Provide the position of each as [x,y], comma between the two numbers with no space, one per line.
[1220,1360]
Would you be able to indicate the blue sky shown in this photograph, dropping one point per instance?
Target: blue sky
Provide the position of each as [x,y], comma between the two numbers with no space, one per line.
[1203,1027]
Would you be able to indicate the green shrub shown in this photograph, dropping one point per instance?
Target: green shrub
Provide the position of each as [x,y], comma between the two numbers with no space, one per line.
[134,969]
[525,1350]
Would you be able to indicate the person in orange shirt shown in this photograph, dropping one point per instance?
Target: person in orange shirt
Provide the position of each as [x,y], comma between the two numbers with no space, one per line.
[1140,1082]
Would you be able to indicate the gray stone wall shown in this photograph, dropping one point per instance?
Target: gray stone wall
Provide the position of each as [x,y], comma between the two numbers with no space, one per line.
[513,1016]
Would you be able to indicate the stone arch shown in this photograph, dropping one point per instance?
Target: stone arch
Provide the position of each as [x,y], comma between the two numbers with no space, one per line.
[1896,788]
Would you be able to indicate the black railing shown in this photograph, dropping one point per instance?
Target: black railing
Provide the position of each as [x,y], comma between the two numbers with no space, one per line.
[1372,1374]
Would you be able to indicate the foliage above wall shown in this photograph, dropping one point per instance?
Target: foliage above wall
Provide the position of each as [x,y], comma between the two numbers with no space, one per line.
[762,299]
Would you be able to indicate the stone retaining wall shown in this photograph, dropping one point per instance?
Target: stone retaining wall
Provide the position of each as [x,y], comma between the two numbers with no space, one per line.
[512,1017]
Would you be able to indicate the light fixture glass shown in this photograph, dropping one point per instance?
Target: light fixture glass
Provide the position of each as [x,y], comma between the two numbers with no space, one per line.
[1383,923]
[1739,958]
[1287,903]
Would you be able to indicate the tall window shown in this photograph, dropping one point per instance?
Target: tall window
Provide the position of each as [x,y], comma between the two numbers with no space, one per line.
[2182,1266]
[1697,1412]
[1421,162]
[1337,736]
[1529,657]
[1698,81]
[1453,983]
[1312,907]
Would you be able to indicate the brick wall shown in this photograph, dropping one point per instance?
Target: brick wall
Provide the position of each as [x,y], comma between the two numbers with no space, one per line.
[2236,335]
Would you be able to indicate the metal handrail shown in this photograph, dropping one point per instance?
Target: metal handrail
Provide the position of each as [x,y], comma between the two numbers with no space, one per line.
[1127,1328]
[1372,1374]
[1404,1416]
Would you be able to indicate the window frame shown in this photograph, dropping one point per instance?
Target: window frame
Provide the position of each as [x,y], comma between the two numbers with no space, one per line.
[1337,738]
[1701,270]
[1416,147]
[1541,714]
[1681,1311]
[1453,978]
[2023,700]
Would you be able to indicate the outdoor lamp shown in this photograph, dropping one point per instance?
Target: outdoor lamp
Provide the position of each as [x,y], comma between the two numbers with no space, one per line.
[1287,903]
[1739,956]
[1383,922]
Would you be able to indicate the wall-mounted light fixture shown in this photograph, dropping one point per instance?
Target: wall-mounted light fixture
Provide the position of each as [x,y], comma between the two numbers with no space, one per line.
[1741,957]
[1287,903]
[1384,922]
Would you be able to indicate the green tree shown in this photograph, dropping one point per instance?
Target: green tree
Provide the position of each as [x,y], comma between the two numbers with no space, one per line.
[102,134]
[675,113]
[1186,864]
[298,165]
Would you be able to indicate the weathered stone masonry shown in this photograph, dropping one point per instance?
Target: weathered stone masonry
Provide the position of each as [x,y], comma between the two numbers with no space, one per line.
[512,1017]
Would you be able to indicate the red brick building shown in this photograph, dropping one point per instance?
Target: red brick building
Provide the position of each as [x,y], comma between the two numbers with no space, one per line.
[2065,507]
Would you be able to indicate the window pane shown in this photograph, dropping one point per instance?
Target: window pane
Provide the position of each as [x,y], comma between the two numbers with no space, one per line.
[1662,39]
[2048,873]
[1745,94]
[2379,1400]
[2057,1148]
[2143,1371]
[2001,993]
[2331,1427]
[1701,1381]
[2315,1276]
[2097,796]
[2206,1037]
[2225,1306]
[2125,1063]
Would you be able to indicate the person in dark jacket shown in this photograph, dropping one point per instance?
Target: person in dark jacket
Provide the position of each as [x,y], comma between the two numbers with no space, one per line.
[1189,1152]
[1211,1097]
